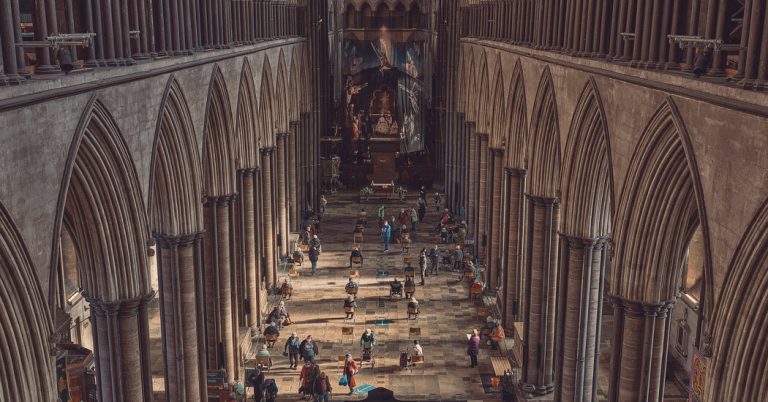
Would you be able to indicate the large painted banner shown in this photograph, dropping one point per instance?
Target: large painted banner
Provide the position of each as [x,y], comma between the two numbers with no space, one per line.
[383,90]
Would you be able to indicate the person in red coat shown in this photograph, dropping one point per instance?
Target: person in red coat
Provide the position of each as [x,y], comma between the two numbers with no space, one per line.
[350,368]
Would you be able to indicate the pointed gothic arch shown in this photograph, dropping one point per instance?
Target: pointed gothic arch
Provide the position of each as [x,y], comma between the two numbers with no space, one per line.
[26,370]
[479,104]
[544,142]
[281,96]
[517,122]
[496,109]
[660,208]
[587,185]
[175,179]
[295,89]
[246,121]
[218,161]
[267,104]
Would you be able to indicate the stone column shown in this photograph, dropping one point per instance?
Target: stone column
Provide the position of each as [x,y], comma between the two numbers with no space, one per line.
[251,263]
[541,289]
[514,275]
[121,349]
[218,285]
[481,237]
[282,193]
[638,358]
[293,171]
[177,267]
[495,218]
[472,183]
[268,224]
[582,271]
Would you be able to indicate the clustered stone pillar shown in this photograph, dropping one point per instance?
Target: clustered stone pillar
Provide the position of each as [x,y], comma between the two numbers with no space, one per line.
[121,344]
[481,239]
[269,221]
[541,291]
[471,179]
[639,353]
[293,171]
[495,187]
[282,194]
[220,328]
[514,276]
[179,258]
[250,248]
[580,310]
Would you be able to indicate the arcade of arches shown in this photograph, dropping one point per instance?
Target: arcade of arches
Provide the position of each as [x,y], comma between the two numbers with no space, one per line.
[609,160]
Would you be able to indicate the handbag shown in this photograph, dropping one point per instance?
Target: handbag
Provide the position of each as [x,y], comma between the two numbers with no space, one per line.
[343,380]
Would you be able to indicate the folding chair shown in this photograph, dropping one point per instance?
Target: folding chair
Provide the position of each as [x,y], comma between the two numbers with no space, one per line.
[347,331]
[417,360]
[413,311]
[414,332]
[347,311]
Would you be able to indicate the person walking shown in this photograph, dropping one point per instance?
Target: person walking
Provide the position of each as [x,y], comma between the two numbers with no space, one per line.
[292,348]
[423,264]
[323,203]
[314,253]
[473,348]
[350,369]
[322,388]
[438,202]
[386,231]
[308,349]
[257,379]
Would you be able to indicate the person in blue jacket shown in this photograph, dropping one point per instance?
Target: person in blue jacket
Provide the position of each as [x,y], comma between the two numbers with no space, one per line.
[386,231]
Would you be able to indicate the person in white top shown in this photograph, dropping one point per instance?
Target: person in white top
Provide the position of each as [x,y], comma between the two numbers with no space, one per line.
[417,350]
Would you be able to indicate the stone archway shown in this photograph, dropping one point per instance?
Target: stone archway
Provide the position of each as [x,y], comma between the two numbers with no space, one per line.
[660,209]
[100,206]
[587,210]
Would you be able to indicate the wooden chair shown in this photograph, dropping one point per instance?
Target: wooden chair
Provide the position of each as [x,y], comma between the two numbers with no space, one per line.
[409,291]
[270,339]
[413,311]
[340,361]
[286,291]
[357,238]
[349,310]
[417,360]
[475,291]
[304,248]
[351,290]
[414,332]
[354,273]
[407,260]
[293,272]
[347,331]
[409,272]
[406,247]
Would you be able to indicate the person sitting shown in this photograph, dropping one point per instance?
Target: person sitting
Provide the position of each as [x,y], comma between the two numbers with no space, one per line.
[443,234]
[497,336]
[368,339]
[265,353]
[351,287]
[488,327]
[286,289]
[413,307]
[357,230]
[315,242]
[362,217]
[349,306]
[274,317]
[416,350]
[306,235]
[284,316]
[355,254]
[410,284]
[396,288]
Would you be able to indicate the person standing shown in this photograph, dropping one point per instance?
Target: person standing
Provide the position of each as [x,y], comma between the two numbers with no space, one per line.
[323,204]
[422,206]
[350,369]
[322,388]
[257,379]
[437,201]
[458,258]
[386,231]
[292,347]
[414,219]
[381,214]
[434,256]
[314,253]
[473,348]
[423,264]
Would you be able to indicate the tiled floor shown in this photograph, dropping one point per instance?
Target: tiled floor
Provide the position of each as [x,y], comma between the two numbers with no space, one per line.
[447,315]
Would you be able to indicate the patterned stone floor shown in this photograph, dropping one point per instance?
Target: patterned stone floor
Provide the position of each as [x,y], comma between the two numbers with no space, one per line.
[447,315]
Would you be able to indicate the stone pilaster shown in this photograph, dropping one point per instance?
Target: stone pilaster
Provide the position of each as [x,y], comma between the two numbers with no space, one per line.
[496,184]
[514,295]
[220,331]
[252,284]
[282,193]
[121,349]
[582,271]
[481,225]
[541,291]
[472,183]
[639,355]
[178,259]
[268,224]
[293,171]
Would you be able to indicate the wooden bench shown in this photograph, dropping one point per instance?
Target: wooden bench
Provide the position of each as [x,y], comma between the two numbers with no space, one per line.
[413,311]
[500,365]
